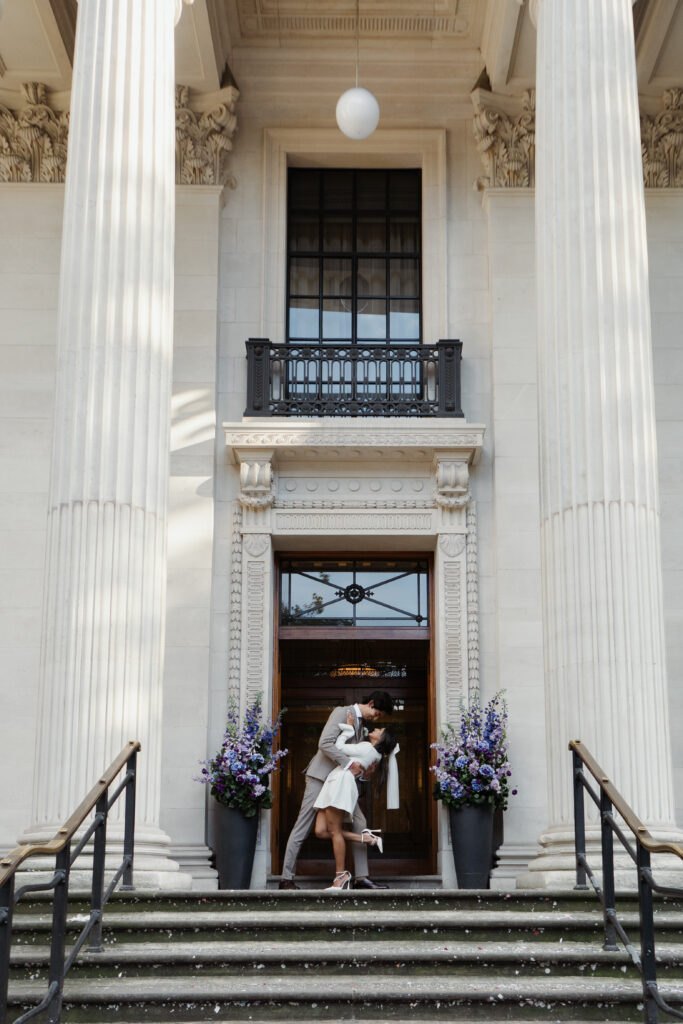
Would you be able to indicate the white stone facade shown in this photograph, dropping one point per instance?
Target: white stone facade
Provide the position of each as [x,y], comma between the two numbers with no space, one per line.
[241,490]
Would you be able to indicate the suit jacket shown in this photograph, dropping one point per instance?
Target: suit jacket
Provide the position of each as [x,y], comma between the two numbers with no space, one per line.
[328,755]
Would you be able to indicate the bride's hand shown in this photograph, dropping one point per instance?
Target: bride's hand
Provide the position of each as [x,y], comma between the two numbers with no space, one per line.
[350,718]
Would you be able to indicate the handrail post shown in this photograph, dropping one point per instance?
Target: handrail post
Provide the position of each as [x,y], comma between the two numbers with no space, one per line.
[258,377]
[129,830]
[607,845]
[449,358]
[6,901]
[579,822]
[647,935]
[98,859]
[61,899]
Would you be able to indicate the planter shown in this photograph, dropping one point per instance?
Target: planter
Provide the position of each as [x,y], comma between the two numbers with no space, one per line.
[234,844]
[472,839]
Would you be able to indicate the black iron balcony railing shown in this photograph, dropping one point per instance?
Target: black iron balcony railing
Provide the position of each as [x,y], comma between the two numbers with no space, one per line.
[307,379]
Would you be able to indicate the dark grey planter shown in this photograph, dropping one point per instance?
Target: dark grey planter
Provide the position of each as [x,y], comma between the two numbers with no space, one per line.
[472,839]
[234,844]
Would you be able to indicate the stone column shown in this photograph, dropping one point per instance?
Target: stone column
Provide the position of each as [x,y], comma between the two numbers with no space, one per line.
[104,607]
[603,627]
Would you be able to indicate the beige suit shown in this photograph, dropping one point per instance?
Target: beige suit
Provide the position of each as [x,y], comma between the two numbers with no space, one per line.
[327,757]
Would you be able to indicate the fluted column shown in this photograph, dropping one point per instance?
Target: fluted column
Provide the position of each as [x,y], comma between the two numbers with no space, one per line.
[104,604]
[604,644]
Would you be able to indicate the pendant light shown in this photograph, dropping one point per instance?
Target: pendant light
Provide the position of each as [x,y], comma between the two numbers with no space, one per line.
[357,109]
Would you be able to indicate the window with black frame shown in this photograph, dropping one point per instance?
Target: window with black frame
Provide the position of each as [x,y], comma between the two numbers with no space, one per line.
[354,281]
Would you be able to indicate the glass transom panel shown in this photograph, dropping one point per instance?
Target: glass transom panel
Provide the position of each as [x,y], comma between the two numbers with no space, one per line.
[354,592]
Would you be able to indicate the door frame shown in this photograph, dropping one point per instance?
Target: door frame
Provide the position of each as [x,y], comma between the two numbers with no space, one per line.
[357,632]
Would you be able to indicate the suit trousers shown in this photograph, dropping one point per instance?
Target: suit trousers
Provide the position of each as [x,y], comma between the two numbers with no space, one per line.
[304,823]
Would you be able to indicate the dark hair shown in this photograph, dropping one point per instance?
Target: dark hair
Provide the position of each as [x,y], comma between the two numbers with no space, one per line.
[384,747]
[381,700]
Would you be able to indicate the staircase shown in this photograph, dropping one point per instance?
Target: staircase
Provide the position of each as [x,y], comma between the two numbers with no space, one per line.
[401,955]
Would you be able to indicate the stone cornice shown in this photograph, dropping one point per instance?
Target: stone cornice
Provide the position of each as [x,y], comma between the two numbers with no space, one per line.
[33,139]
[505,133]
[353,439]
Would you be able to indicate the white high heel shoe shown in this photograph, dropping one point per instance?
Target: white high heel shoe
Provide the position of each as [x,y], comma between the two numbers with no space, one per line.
[344,879]
[374,838]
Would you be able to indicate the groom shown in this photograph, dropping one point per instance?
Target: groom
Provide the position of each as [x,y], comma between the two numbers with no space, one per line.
[327,757]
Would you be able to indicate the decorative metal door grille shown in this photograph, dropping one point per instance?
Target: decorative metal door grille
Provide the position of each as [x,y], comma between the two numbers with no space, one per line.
[354,592]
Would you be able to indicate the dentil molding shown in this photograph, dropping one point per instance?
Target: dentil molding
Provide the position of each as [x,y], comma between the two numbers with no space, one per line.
[33,140]
[505,133]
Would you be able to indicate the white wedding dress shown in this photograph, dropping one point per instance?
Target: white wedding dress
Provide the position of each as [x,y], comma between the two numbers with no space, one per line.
[339,788]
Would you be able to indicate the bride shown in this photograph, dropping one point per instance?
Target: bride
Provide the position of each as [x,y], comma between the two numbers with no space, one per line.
[339,795]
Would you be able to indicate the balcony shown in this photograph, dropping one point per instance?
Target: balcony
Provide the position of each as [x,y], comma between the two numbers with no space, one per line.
[301,379]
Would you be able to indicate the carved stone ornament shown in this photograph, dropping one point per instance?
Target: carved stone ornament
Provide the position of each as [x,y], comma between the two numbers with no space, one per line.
[33,140]
[256,543]
[452,484]
[452,544]
[256,484]
[662,143]
[203,141]
[506,141]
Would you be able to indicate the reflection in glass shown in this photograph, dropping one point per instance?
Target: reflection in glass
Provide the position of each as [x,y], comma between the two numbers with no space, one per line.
[404,234]
[337,277]
[405,190]
[303,276]
[372,277]
[338,234]
[371,190]
[303,318]
[404,277]
[303,233]
[371,234]
[336,319]
[338,190]
[371,324]
[404,319]
[354,592]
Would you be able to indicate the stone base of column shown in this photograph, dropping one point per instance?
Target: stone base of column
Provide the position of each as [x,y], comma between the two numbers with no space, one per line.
[555,865]
[153,866]
[194,859]
[513,860]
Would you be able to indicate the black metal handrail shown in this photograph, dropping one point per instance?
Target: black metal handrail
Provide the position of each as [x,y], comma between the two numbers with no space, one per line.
[607,800]
[60,847]
[313,379]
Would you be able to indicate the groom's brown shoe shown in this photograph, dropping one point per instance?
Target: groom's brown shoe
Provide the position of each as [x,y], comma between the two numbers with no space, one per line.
[288,883]
[367,883]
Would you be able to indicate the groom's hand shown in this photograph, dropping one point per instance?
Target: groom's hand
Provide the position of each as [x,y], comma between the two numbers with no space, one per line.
[356,769]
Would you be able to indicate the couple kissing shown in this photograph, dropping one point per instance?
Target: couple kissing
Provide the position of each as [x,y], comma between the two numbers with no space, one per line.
[330,797]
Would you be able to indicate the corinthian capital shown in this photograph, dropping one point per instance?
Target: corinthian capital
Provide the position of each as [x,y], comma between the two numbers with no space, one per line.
[203,140]
[505,133]
[661,138]
[33,140]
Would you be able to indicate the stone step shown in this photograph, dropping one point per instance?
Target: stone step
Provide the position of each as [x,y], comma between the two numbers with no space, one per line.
[277,900]
[369,923]
[512,958]
[485,996]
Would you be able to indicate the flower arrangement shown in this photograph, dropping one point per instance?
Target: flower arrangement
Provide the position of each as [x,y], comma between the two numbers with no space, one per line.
[238,774]
[472,764]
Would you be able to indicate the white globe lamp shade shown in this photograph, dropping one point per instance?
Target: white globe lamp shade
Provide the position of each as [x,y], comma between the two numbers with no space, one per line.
[357,113]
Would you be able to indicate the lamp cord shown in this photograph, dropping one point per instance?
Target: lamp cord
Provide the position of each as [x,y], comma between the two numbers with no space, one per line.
[357,37]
